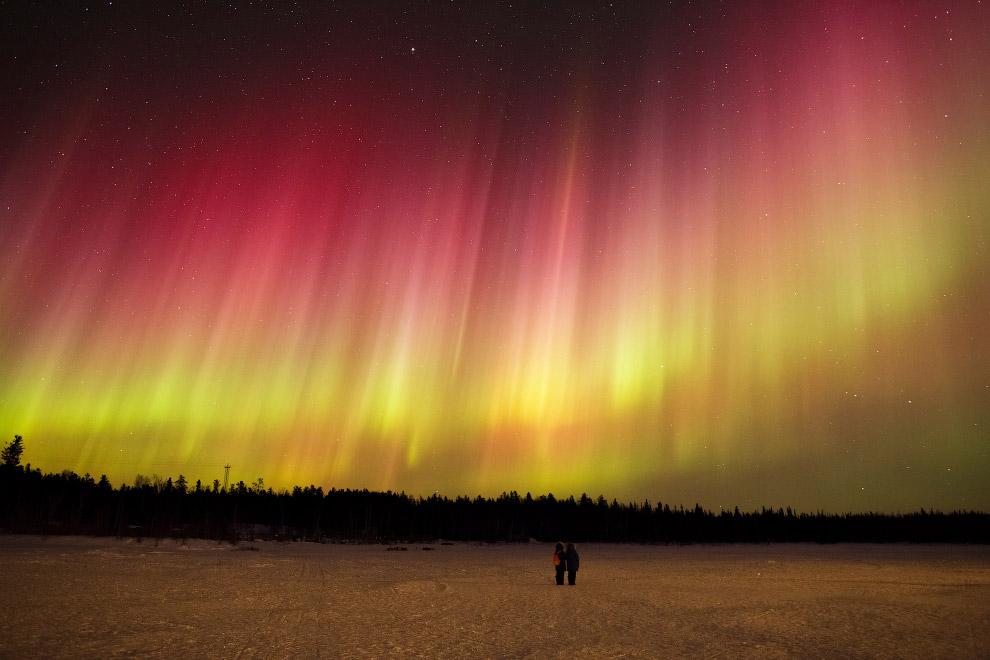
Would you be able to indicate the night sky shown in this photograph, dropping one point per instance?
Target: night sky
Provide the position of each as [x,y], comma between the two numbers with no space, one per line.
[719,253]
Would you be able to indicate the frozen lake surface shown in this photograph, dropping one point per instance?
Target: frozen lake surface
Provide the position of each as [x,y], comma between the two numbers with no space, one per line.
[81,597]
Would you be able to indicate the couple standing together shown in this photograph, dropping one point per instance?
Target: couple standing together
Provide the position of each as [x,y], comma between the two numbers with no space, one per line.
[565,560]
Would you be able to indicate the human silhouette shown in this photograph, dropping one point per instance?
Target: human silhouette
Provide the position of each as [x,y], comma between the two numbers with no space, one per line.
[571,558]
[559,562]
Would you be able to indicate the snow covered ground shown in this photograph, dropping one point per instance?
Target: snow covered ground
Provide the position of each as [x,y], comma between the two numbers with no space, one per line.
[111,598]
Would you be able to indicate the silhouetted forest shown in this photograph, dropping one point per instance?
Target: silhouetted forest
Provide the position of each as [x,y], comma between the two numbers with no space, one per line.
[36,503]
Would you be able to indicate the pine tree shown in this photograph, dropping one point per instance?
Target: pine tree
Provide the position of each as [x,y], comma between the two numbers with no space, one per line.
[11,455]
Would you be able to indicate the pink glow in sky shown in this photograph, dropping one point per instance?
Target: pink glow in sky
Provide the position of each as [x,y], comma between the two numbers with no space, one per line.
[727,254]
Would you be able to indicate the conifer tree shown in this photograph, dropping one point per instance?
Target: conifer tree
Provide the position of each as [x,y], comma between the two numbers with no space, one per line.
[11,455]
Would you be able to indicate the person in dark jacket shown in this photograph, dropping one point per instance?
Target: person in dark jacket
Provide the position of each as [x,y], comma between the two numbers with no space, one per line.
[571,558]
[560,562]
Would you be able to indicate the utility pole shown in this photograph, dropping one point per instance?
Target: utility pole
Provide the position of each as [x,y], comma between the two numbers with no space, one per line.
[226,474]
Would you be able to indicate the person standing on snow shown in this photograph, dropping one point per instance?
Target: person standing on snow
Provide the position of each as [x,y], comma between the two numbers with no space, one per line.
[560,562]
[571,559]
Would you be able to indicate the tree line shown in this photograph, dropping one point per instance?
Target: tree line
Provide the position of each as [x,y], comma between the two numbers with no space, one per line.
[66,503]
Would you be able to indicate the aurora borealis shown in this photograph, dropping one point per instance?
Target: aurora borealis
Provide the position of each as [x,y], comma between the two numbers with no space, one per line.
[725,253]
